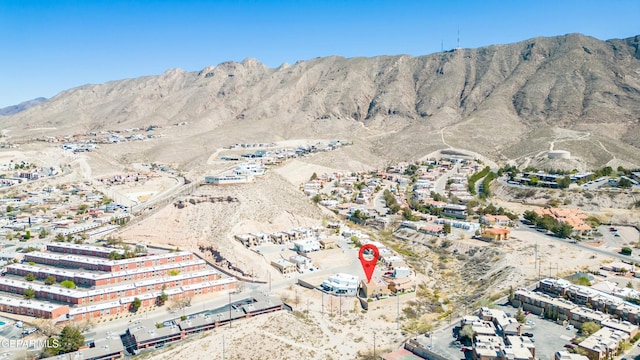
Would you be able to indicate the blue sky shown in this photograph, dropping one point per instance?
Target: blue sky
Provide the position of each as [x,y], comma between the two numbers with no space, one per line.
[50,46]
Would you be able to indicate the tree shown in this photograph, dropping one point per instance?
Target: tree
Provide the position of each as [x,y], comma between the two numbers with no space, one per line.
[564,182]
[625,251]
[114,255]
[43,234]
[531,216]
[50,280]
[59,237]
[70,339]
[163,297]
[68,284]
[512,294]
[29,293]
[30,277]
[27,235]
[446,227]
[313,176]
[82,208]
[316,198]
[589,328]
[562,230]
[520,316]
[624,183]
[135,305]
[467,333]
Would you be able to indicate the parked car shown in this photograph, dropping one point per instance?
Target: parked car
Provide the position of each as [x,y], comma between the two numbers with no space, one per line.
[527,334]
[570,327]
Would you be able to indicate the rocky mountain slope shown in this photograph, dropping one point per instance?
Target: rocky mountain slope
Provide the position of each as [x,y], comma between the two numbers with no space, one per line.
[14,109]
[396,107]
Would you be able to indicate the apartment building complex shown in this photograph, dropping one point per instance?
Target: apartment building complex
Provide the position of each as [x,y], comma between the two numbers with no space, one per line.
[103,287]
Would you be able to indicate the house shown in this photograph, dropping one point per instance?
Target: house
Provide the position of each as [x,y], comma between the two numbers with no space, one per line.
[302,262]
[402,284]
[496,220]
[495,234]
[376,288]
[328,243]
[341,284]
[454,210]
[284,266]
[306,245]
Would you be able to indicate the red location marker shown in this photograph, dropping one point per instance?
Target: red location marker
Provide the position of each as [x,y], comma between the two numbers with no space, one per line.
[368,263]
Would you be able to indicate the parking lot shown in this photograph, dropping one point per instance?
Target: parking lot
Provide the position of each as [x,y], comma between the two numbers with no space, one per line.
[548,336]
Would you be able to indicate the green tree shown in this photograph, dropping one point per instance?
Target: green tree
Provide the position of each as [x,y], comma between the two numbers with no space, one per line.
[29,293]
[564,182]
[83,208]
[531,216]
[313,176]
[589,328]
[114,255]
[27,235]
[163,296]
[70,339]
[624,183]
[316,198]
[446,227]
[466,333]
[50,280]
[30,277]
[68,284]
[520,316]
[135,305]
[562,230]
[43,234]
[625,251]
[512,294]
[59,237]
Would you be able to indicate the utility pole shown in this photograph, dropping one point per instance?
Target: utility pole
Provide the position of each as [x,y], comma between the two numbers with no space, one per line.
[398,311]
[374,344]
[229,310]
[223,346]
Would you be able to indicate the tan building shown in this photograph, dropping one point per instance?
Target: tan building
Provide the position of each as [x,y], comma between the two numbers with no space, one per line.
[377,287]
[495,234]
[402,284]
[284,266]
[328,243]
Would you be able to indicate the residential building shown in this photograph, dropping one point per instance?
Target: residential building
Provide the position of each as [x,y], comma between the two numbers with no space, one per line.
[495,234]
[341,284]
[284,266]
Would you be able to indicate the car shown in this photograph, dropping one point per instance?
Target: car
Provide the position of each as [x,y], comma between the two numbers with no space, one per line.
[29,331]
[570,327]
[569,346]
[612,229]
[527,334]
[530,323]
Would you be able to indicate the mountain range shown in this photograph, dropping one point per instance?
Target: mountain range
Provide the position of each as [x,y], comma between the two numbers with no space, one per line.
[14,109]
[508,102]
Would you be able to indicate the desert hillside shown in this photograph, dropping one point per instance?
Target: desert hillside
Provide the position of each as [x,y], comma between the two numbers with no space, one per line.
[394,106]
